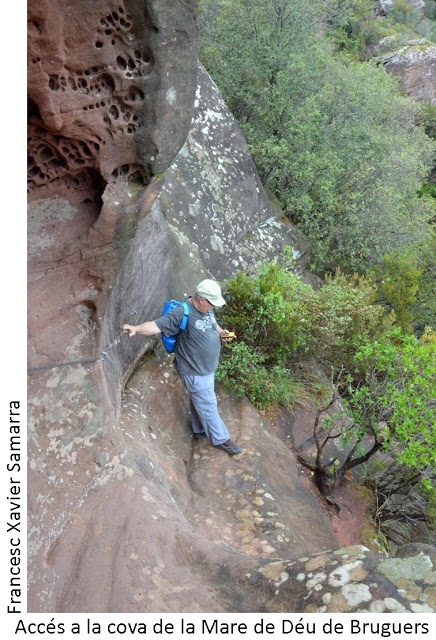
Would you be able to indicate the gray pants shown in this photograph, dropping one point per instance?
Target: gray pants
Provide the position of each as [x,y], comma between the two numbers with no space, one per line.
[204,408]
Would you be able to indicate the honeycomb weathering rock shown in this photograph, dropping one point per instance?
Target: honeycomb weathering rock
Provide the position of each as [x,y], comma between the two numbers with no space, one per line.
[110,88]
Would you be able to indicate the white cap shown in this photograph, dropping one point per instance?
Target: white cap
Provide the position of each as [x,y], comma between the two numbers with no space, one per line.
[210,291]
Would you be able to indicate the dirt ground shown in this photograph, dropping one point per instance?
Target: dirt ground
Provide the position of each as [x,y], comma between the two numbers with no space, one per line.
[347,511]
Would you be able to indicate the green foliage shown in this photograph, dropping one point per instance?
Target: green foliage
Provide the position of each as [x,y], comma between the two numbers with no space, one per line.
[413,22]
[357,29]
[395,398]
[428,119]
[270,313]
[280,323]
[424,309]
[397,278]
[347,315]
[248,375]
[428,191]
[246,372]
[388,402]
[401,12]
[331,138]
[272,310]
[430,9]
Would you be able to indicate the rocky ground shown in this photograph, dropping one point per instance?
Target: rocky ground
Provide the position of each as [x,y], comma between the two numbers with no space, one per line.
[348,508]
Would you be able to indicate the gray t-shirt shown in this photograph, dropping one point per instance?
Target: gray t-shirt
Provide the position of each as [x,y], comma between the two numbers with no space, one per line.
[198,346]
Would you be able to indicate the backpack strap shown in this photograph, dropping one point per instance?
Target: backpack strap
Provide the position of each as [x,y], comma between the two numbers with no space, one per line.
[184,320]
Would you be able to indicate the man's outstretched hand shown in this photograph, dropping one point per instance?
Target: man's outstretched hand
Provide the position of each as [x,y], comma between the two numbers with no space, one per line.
[129,329]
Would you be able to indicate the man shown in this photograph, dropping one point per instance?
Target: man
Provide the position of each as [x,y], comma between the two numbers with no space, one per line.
[197,354]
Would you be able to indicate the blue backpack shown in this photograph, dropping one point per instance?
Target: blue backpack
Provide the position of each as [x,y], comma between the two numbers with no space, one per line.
[170,342]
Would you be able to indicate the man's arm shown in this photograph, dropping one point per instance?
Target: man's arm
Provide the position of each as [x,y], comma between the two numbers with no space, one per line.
[145,329]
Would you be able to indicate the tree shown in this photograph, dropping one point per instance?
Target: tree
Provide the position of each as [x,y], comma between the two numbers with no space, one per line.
[384,390]
[327,476]
[389,405]
[353,29]
[398,393]
[332,139]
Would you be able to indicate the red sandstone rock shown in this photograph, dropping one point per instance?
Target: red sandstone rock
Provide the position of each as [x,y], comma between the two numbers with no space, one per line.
[105,80]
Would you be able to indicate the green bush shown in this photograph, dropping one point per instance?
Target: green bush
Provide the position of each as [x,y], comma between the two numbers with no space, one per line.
[402,13]
[392,396]
[282,323]
[347,315]
[272,311]
[397,280]
[244,369]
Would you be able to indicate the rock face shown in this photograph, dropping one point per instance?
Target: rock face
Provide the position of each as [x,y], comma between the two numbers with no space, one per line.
[415,66]
[382,6]
[212,194]
[171,524]
[111,96]
[128,205]
[107,83]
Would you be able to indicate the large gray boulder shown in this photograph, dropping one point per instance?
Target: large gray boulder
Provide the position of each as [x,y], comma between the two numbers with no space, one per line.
[415,66]
[212,194]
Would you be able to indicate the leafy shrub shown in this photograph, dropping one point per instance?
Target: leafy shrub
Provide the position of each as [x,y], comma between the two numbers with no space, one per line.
[428,190]
[248,376]
[397,280]
[401,12]
[347,315]
[281,323]
[271,311]
[393,396]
